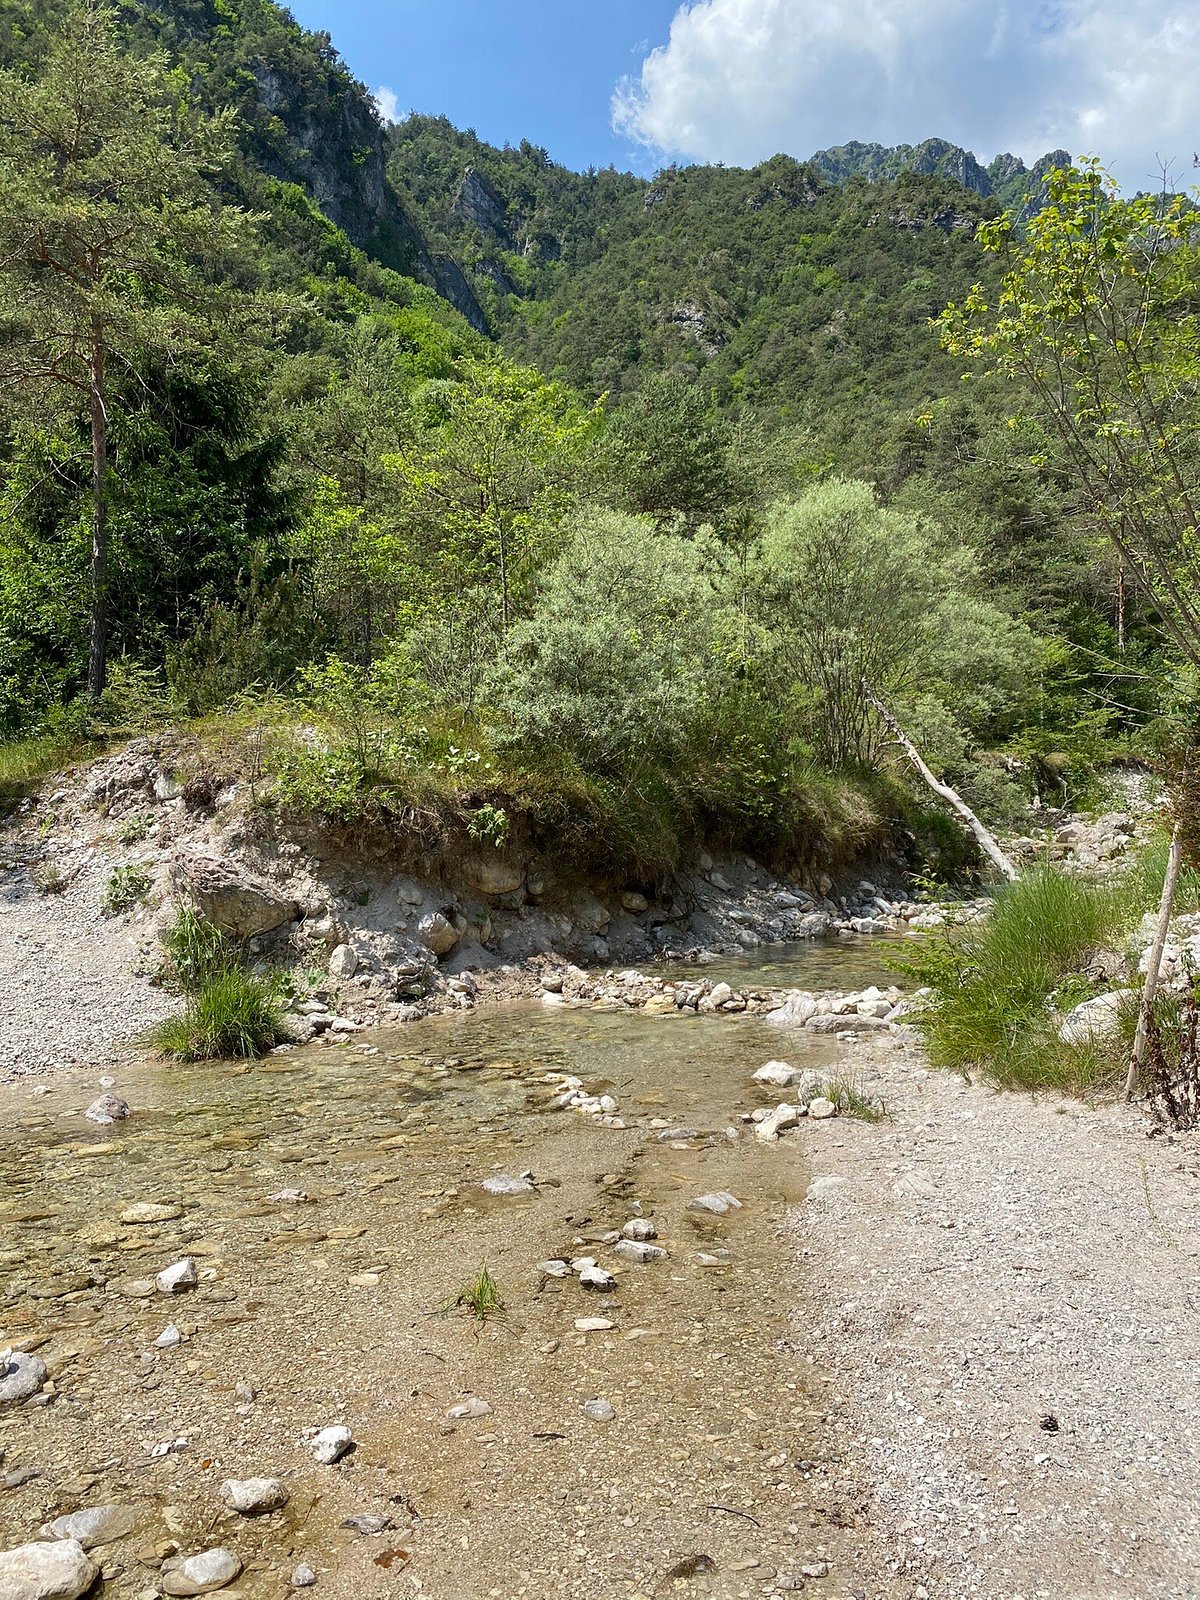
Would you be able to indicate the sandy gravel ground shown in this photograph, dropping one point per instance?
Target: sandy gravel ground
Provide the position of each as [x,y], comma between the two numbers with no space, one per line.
[67,969]
[1006,1292]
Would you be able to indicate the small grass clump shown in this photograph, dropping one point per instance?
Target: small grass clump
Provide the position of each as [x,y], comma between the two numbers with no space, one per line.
[125,888]
[480,1298]
[1146,872]
[232,1015]
[1001,986]
[49,879]
[848,1095]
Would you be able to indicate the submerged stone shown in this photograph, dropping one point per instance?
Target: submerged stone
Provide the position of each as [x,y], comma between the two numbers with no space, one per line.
[20,1376]
[503,1183]
[716,1204]
[93,1526]
[54,1571]
[146,1212]
[201,1574]
[178,1277]
[331,1444]
[251,1497]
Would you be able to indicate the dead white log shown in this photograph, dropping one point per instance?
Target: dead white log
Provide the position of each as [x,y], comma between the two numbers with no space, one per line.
[1154,964]
[986,839]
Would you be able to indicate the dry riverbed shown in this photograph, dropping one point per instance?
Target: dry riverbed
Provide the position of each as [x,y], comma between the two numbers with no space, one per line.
[1005,1290]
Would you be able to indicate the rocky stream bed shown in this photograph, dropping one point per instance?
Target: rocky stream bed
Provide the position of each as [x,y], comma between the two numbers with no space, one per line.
[746,1346]
[949,1354]
[651,1419]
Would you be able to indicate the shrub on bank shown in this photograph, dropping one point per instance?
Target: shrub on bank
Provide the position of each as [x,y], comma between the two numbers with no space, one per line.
[230,1012]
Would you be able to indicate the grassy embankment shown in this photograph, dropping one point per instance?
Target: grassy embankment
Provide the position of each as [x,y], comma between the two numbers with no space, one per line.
[1002,987]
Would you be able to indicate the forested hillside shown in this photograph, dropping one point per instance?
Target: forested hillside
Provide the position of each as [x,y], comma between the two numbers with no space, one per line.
[607,555]
[786,287]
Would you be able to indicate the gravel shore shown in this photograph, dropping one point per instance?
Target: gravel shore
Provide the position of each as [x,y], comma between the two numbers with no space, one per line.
[1005,1291]
[68,970]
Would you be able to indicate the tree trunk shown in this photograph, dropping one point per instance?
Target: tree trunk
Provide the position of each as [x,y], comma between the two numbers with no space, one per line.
[986,839]
[503,547]
[1154,965]
[98,641]
[1120,608]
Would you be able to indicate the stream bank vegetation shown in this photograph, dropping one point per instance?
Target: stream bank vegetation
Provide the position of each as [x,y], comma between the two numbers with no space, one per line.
[1001,989]
[229,1011]
[1094,318]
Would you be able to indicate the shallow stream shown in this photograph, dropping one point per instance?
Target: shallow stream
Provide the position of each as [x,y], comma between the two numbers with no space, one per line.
[340,1308]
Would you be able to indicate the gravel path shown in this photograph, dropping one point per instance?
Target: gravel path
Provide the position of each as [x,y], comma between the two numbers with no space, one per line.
[1006,1291]
[67,968]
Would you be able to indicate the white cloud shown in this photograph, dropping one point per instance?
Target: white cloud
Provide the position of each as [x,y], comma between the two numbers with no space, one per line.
[386,103]
[739,80]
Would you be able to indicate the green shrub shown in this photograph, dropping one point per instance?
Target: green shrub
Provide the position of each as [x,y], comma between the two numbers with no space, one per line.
[615,662]
[125,888]
[233,1014]
[253,642]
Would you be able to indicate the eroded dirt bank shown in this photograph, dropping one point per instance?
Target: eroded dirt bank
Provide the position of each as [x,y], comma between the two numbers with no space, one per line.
[92,872]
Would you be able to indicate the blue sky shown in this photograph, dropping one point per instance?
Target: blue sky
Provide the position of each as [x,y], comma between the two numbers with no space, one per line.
[642,82]
[542,70]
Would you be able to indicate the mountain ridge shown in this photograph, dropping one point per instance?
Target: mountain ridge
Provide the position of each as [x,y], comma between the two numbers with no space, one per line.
[1005,179]
[479,224]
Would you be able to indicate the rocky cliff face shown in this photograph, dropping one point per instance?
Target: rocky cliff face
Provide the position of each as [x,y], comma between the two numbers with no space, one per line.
[477,202]
[335,149]
[1005,179]
[303,119]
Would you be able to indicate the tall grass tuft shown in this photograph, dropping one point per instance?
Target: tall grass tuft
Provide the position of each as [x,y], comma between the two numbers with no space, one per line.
[1146,871]
[1000,986]
[197,951]
[25,762]
[232,1014]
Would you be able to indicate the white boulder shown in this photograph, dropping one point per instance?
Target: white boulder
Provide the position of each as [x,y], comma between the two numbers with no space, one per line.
[52,1571]
[1093,1020]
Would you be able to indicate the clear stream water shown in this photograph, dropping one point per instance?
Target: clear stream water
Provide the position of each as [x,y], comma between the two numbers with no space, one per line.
[341,1308]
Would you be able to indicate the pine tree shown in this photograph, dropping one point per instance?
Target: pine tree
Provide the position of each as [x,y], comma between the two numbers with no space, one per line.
[109,232]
